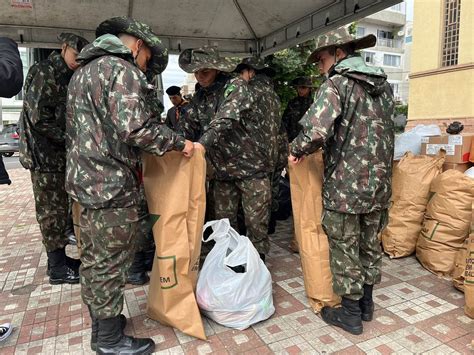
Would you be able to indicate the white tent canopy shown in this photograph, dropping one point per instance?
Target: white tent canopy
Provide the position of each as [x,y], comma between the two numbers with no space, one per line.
[238,27]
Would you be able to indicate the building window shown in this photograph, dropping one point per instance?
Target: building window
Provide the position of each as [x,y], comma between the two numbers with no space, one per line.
[368,57]
[394,87]
[390,60]
[397,7]
[452,16]
[360,32]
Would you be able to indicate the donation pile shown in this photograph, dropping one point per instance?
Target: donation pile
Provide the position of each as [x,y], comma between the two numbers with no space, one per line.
[411,183]
[234,287]
[446,223]
[175,192]
[306,181]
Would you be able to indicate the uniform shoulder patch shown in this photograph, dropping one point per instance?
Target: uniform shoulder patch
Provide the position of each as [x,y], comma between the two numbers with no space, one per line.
[229,89]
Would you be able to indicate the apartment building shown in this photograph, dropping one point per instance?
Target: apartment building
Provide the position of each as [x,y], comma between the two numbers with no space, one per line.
[389,26]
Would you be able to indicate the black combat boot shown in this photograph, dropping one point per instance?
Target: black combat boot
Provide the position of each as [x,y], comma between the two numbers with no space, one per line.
[149,257]
[366,304]
[69,232]
[95,328]
[111,340]
[137,273]
[272,224]
[59,271]
[346,317]
[71,262]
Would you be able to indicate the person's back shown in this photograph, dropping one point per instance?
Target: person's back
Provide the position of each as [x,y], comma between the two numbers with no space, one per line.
[358,157]
[103,117]
[43,119]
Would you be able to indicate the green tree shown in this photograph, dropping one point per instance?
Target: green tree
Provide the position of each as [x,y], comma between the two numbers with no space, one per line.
[290,63]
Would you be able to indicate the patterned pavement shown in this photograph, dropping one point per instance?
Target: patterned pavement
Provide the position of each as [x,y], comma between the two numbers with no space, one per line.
[416,312]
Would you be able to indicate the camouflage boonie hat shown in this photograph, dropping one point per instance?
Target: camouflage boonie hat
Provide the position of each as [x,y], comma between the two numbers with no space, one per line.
[193,59]
[339,37]
[256,64]
[123,24]
[73,41]
[302,81]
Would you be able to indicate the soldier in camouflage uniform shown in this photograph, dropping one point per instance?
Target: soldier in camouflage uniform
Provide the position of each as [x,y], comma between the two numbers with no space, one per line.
[212,75]
[351,118]
[43,151]
[109,124]
[239,147]
[298,106]
[263,89]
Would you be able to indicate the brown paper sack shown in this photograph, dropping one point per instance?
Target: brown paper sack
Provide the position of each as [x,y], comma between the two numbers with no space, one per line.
[411,181]
[76,216]
[446,222]
[175,191]
[306,181]
[469,273]
[460,266]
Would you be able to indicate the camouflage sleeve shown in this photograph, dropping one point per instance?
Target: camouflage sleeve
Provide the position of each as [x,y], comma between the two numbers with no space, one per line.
[237,99]
[133,119]
[190,126]
[318,121]
[47,113]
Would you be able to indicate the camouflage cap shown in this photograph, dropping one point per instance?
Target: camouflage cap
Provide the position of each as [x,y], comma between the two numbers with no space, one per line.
[73,41]
[123,24]
[302,81]
[256,64]
[193,59]
[339,37]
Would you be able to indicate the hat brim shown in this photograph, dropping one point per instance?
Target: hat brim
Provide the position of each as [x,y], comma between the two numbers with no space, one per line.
[118,25]
[360,43]
[224,64]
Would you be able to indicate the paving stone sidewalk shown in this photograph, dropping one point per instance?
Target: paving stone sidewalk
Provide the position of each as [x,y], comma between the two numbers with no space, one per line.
[416,312]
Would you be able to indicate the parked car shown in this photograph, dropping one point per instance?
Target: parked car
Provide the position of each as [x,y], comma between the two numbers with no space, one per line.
[9,140]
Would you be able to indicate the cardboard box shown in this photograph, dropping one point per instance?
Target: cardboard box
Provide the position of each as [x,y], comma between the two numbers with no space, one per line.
[457,146]
[459,167]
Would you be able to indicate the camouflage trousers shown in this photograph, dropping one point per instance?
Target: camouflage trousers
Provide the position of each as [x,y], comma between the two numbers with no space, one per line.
[256,199]
[52,208]
[275,180]
[144,239]
[355,251]
[108,241]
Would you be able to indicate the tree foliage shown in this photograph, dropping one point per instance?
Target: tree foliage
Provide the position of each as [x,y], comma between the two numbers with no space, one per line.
[290,63]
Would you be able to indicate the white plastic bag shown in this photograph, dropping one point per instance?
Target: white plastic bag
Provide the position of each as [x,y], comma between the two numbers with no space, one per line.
[470,172]
[410,141]
[426,130]
[234,299]
[407,142]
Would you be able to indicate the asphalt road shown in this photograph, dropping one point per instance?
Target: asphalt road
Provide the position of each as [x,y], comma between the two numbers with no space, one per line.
[12,162]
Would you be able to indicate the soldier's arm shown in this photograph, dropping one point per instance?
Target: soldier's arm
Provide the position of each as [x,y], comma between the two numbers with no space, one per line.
[47,112]
[132,118]
[189,125]
[238,99]
[318,121]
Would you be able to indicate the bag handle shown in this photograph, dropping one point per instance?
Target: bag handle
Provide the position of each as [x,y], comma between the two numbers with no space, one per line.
[220,229]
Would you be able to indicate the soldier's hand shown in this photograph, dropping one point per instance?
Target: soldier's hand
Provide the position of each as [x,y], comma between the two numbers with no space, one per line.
[188,150]
[199,146]
[294,160]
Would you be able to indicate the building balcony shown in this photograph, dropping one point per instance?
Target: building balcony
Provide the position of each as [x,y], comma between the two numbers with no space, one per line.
[387,18]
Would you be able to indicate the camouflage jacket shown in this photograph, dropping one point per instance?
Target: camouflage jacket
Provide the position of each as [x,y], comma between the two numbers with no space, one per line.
[269,103]
[351,118]
[237,139]
[109,123]
[202,108]
[295,109]
[43,119]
